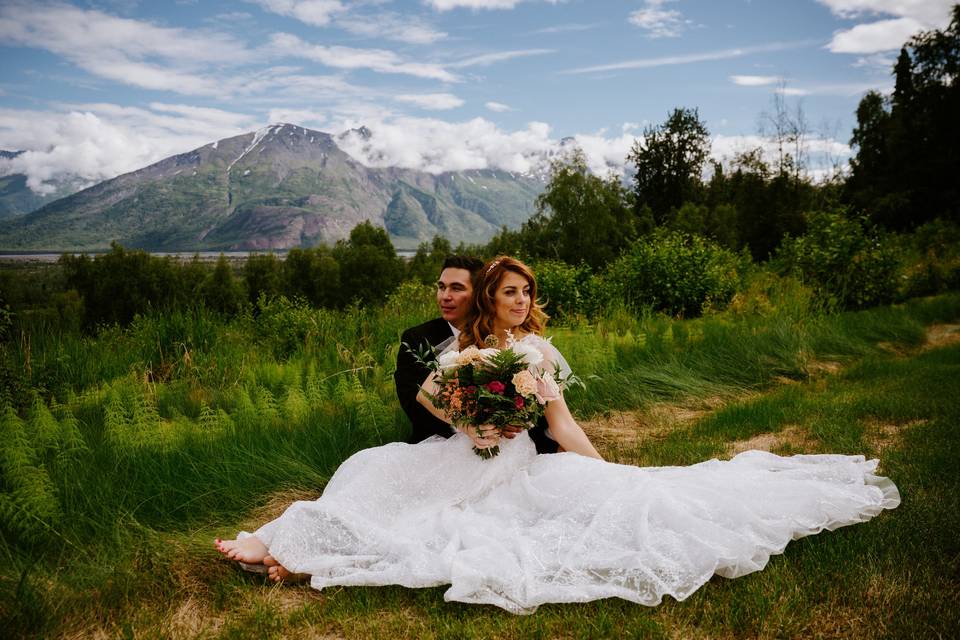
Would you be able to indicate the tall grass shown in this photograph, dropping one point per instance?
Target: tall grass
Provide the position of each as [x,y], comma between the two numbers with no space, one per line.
[146,438]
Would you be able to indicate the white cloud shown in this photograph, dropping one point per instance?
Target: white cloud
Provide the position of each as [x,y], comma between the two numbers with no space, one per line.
[838,89]
[876,61]
[379,60]
[567,28]
[885,35]
[133,52]
[436,146]
[487,59]
[100,141]
[314,12]
[754,81]
[392,26]
[929,11]
[910,17]
[498,107]
[657,21]
[432,101]
[301,117]
[447,5]
[723,54]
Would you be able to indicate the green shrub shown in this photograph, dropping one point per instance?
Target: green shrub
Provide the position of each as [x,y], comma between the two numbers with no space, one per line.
[675,272]
[568,292]
[849,264]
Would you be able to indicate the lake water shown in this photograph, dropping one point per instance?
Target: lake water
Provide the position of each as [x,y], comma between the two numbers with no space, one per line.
[206,256]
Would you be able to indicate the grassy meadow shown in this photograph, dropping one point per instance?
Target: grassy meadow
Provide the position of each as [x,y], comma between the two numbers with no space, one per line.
[126,452]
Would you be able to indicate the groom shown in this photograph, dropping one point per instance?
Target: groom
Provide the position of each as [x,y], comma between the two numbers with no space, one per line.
[454,299]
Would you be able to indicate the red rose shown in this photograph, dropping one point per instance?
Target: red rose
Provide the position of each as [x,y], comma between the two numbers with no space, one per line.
[518,401]
[496,386]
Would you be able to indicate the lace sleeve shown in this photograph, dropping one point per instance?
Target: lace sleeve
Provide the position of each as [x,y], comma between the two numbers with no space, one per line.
[553,360]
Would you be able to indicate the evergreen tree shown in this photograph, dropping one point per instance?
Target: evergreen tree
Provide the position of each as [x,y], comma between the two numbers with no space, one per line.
[669,163]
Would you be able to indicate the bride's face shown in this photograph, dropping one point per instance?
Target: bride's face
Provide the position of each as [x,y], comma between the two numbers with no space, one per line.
[512,300]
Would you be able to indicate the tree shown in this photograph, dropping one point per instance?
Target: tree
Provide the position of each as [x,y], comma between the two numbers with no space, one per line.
[369,266]
[314,275]
[581,218]
[789,131]
[669,163]
[425,265]
[263,275]
[908,150]
[220,290]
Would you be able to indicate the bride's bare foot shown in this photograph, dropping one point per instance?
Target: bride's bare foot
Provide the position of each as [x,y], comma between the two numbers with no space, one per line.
[249,550]
[278,573]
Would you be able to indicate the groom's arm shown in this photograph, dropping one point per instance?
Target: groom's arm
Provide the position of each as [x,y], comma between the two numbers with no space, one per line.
[408,377]
[409,373]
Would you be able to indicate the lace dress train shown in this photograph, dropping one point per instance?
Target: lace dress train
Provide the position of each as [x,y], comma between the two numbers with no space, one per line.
[521,530]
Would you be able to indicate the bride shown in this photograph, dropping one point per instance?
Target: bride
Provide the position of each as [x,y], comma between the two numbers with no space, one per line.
[521,529]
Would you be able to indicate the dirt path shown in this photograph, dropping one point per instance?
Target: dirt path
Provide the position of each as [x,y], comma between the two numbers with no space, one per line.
[622,431]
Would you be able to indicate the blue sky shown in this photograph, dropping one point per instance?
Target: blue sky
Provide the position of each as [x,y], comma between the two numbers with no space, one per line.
[101,88]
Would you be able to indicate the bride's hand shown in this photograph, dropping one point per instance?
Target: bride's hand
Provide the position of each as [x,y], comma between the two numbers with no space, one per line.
[484,437]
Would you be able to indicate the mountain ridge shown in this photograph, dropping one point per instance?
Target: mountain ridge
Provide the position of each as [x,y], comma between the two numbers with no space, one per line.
[276,188]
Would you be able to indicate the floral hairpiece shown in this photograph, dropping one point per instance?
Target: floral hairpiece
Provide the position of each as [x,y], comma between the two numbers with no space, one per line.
[491,267]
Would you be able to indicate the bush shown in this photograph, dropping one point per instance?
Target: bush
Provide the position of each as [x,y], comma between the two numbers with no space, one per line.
[849,264]
[677,273]
[568,292]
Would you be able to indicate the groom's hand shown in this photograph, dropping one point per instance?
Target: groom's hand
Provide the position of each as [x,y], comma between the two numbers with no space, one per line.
[510,431]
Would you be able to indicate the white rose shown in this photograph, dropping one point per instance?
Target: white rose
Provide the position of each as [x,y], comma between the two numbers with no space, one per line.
[531,355]
[448,359]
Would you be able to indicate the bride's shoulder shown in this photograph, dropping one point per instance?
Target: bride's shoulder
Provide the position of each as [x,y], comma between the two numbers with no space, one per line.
[544,344]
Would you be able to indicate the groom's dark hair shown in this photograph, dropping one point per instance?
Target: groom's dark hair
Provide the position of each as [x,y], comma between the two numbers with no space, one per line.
[471,264]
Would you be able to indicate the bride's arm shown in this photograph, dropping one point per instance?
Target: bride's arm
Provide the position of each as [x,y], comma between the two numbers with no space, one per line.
[429,386]
[566,431]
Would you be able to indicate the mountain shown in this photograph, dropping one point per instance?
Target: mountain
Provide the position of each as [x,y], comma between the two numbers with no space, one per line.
[16,198]
[280,187]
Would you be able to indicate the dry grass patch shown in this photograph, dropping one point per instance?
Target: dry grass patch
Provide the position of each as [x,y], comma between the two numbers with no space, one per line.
[822,367]
[941,335]
[277,503]
[793,436]
[883,435]
[624,430]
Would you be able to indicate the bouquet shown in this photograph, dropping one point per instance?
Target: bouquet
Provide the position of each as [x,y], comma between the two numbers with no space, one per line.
[490,387]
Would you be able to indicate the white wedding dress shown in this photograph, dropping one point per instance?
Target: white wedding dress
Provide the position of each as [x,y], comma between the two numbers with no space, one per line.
[523,529]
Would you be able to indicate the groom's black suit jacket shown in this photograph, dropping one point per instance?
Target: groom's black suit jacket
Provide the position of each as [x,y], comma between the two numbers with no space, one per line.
[410,374]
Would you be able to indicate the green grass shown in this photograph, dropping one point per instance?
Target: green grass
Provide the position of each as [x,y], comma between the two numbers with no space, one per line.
[151,440]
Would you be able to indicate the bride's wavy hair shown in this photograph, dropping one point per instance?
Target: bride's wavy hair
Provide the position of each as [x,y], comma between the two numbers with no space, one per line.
[479,322]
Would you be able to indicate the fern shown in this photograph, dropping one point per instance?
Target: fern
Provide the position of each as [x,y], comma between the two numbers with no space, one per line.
[266,406]
[295,406]
[314,386]
[246,411]
[208,418]
[29,507]
[116,422]
[43,430]
[72,444]
[146,418]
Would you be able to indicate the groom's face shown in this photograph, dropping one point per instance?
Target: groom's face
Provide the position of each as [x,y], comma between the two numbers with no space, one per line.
[454,294]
